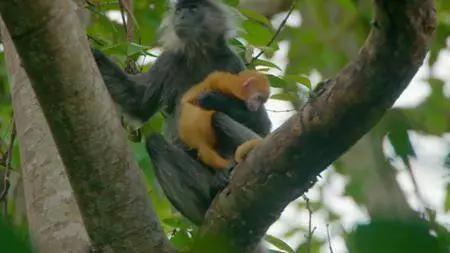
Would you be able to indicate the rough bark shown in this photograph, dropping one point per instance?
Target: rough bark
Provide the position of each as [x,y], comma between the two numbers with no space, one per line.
[349,106]
[54,221]
[107,183]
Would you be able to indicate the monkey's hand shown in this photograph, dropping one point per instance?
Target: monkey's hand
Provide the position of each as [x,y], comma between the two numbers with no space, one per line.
[243,150]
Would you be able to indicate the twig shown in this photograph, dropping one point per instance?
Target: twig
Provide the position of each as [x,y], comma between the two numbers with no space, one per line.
[127,6]
[6,183]
[122,15]
[287,110]
[329,239]
[310,228]
[278,31]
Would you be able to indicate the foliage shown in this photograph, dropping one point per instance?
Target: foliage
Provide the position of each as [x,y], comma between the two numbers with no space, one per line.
[330,34]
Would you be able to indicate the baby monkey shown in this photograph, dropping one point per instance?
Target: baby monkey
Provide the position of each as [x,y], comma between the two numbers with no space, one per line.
[195,125]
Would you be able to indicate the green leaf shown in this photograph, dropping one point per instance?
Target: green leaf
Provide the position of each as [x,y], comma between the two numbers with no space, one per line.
[177,222]
[299,79]
[259,62]
[399,138]
[255,16]
[276,82]
[154,125]
[348,6]
[279,243]
[447,199]
[134,49]
[233,3]
[13,240]
[182,240]
[255,33]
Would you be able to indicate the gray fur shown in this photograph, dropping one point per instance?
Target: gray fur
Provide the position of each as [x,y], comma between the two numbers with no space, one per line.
[192,50]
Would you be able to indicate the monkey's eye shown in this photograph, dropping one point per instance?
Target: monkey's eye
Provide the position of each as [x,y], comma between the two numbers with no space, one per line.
[177,10]
[262,98]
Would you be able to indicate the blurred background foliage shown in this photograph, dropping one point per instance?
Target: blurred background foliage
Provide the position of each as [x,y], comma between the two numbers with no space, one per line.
[317,39]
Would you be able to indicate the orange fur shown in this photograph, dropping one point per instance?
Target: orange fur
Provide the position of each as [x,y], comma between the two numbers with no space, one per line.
[245,148]
[195,124]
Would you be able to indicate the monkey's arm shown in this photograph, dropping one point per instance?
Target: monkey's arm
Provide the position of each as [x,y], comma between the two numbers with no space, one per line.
[137,97]
[191,95]
[215,81]
[258,121]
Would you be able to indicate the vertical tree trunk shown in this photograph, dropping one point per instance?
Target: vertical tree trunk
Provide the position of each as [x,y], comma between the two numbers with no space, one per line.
[54,220]
[106,180]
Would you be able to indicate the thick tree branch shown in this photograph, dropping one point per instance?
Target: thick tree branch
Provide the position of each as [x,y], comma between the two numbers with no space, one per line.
[107,183]
[350,105]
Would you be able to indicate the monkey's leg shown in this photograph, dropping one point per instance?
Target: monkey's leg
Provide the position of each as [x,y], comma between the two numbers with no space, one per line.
[243,150]
[211,158]
[185,182]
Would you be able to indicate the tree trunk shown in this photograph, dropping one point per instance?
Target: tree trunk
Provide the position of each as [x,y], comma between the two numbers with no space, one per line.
[107,183]
[54,220]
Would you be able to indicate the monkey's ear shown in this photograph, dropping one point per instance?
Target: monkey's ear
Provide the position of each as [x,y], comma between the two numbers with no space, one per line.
[248,82]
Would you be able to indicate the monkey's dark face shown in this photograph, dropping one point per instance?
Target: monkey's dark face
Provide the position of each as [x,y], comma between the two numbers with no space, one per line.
[255,101]
[194,20]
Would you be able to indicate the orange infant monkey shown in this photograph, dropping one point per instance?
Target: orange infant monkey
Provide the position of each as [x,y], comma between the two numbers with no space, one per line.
[195,123]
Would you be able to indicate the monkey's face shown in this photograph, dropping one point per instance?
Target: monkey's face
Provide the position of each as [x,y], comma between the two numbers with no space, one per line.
[257,91]
[255,101]
[197,19]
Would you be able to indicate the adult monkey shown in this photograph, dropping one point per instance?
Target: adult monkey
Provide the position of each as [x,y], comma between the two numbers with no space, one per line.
[194,39]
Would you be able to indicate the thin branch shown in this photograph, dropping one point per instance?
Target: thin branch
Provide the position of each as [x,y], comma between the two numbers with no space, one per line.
[329,239]
[278,31]
[8,161]
[287,110]
[127,5]
[122,15]
[311,230]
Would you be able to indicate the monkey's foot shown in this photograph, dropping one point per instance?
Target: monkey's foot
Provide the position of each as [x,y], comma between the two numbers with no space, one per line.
[245,148]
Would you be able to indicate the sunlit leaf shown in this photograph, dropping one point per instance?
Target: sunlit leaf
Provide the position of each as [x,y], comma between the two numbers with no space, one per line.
[259,62]
[277,242]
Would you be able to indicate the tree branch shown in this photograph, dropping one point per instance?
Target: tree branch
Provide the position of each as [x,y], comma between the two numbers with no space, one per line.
[351,104]
[107,183]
